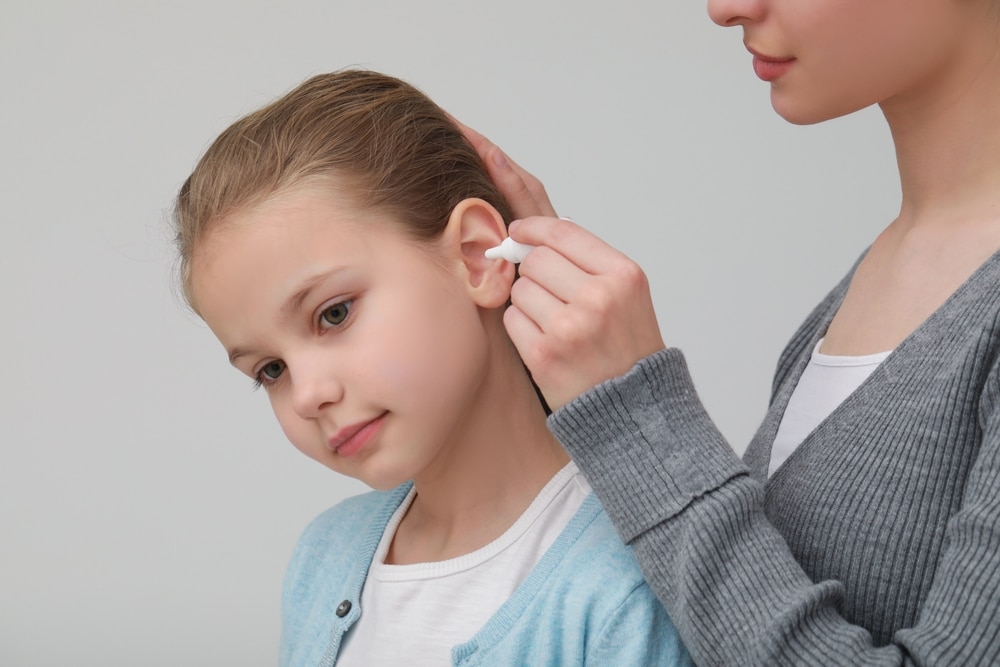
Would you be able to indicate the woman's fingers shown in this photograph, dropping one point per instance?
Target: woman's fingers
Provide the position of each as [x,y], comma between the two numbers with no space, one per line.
[524,193]
[537,303]
[562,278]
[581,312]
[579,246]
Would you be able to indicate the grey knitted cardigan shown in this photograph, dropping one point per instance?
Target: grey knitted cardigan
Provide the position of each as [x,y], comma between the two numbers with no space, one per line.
[876,543]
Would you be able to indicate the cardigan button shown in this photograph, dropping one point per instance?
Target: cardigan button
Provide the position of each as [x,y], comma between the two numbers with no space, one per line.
[344,608]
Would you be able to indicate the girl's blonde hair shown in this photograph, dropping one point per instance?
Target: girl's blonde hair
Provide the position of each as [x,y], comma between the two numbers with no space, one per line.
[383,141]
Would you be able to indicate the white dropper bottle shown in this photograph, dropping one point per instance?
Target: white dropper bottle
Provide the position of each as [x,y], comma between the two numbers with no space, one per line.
[510,250]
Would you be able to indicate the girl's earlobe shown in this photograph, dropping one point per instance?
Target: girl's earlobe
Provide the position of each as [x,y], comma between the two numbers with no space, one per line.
[480,227]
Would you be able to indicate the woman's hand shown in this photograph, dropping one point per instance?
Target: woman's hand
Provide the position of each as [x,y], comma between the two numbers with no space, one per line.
[581,311]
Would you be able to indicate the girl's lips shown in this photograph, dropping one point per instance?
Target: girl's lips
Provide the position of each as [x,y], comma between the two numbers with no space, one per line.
[349,440]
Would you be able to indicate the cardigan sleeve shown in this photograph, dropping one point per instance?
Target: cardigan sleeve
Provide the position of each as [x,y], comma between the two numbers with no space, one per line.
[687,505]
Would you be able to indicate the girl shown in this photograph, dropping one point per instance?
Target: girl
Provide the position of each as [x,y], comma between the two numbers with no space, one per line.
[864,525]
[334,241]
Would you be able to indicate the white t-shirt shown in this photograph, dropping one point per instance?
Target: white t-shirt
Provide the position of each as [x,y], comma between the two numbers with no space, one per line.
[419,612]
[825,383]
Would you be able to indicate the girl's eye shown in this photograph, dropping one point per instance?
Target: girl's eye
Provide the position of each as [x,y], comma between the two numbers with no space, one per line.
[268,374]
[335,315]
[272,370]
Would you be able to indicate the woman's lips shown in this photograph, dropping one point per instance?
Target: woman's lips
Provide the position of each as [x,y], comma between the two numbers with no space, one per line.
[350,440]
[769,68]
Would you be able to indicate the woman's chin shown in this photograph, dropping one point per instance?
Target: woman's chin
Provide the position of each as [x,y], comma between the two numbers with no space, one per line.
[806,112]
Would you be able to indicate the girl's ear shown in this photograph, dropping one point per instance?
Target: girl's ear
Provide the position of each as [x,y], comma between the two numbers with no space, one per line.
[475,226]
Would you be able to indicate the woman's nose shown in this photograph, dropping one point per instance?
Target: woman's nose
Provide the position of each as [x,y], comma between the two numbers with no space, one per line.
[729,13]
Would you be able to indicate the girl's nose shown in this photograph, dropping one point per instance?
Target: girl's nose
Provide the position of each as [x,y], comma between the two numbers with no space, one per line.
[314,390]
[729,13]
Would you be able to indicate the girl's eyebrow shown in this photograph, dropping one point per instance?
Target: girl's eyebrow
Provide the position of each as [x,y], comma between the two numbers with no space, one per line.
[235,354]
[294,302]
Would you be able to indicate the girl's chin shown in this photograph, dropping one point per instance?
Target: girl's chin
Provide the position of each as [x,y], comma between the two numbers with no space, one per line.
[378,479]
[383,484]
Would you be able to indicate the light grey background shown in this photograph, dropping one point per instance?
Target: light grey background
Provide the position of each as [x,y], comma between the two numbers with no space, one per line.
[148,501]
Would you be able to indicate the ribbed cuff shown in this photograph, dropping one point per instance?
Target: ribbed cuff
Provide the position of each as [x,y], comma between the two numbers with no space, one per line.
[645,443]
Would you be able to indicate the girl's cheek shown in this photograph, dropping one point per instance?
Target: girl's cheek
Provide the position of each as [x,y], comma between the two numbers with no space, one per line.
[401,369]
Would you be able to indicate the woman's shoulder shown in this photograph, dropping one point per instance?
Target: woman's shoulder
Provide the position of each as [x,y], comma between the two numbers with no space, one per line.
[989,400]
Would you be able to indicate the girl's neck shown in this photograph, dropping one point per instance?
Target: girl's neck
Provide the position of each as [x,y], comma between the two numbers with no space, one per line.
[498,461]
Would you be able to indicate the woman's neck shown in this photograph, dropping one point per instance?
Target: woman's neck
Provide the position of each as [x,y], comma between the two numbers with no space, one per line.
[947,141]
[498,460]
[948,149]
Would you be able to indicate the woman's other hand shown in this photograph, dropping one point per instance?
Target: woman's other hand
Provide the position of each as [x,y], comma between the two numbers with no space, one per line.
[524,193]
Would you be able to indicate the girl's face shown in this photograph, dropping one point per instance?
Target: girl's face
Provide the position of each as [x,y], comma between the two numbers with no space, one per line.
[827,58]
[367,343]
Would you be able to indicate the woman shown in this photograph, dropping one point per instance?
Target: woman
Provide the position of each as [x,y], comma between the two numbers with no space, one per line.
[863,526]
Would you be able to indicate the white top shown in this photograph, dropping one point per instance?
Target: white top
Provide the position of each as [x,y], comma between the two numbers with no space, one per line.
[419,612]
[825,383]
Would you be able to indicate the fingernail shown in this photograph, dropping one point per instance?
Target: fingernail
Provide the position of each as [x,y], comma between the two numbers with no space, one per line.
[512,225]
[499,159]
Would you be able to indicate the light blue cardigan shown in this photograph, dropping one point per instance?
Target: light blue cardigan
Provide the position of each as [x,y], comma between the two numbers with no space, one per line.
[584,603]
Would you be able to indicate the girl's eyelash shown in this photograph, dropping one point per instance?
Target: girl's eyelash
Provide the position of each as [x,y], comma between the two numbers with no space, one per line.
[258,383]
[259,377]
